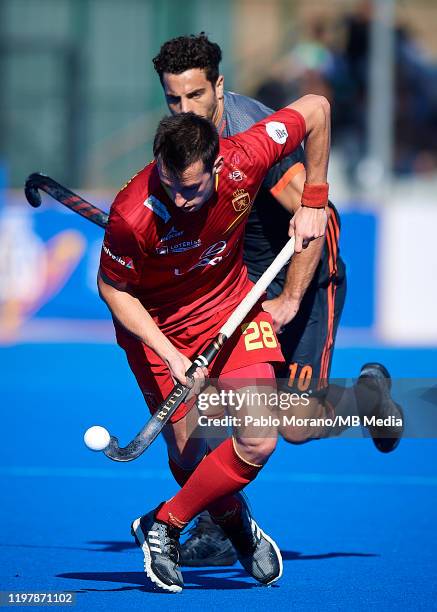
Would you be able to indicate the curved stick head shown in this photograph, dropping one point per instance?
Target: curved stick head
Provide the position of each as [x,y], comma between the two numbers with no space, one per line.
[31,189]
[112,449]
[151,429]
[32,195]
[123,454]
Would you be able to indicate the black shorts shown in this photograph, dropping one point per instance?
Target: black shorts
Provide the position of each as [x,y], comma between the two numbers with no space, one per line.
[307,342]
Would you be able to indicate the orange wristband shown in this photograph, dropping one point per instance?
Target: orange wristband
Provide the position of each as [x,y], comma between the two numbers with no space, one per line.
[315,196]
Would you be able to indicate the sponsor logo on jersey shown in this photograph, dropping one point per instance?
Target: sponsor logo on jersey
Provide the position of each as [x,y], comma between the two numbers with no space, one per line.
[277,131]
[236,175]
[181,247]
[157,207]
[185,246]
[122,260]
[210,257]
[240,200]
[173,233]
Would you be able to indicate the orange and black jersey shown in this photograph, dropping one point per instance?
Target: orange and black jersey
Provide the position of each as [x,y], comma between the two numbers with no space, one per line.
[267,226]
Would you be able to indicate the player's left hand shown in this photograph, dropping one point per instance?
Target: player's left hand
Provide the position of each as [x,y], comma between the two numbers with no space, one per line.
[282,310]
[306,225]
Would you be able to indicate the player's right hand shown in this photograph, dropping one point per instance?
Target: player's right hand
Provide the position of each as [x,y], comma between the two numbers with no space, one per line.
[178,364]
[307,224]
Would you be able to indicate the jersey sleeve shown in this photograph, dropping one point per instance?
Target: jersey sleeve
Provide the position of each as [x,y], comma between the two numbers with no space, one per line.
[284,171]
[273,138]
[121,257]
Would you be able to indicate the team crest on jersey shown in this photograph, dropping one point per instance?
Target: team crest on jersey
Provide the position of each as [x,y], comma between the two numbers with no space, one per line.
[240,200]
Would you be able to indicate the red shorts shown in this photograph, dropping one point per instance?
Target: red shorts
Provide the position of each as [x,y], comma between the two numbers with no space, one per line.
[254,341]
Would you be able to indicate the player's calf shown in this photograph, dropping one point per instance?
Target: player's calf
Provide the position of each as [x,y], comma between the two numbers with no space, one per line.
[305,422]
[184,443]
[368,401]
[255,451]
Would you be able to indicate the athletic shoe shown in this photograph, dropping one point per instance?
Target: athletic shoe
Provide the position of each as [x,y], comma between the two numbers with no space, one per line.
[207,545]
[386,437]
[160,545]
[256,551]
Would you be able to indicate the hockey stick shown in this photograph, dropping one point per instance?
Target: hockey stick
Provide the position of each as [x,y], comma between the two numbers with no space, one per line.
[63,195]
[154,426]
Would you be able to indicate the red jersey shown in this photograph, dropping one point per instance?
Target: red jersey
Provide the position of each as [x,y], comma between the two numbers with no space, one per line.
[188,267]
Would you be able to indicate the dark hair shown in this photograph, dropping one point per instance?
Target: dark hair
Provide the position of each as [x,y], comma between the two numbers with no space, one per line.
[186,52]
[182,140]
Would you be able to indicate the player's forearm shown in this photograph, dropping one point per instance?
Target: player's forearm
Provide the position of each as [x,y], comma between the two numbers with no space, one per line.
[316,112]
[132,315]
[301,271]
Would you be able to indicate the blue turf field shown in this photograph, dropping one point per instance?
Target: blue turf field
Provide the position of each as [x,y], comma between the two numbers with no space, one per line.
[357,529]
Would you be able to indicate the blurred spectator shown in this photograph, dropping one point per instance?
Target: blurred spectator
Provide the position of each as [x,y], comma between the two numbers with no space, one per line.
[333,60]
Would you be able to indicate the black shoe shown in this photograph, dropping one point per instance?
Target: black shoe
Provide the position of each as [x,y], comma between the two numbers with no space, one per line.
[385,437]
[256,551]
[207,545]
[160,545]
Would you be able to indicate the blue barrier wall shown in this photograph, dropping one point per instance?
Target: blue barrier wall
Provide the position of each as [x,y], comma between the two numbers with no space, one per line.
[358,242]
